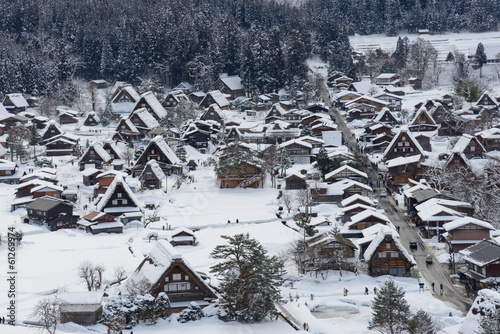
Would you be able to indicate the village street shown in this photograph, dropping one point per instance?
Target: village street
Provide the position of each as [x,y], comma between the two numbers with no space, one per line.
[434,272]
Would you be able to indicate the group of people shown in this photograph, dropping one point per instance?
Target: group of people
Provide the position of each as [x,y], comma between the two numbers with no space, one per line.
[441,288]
[229,221]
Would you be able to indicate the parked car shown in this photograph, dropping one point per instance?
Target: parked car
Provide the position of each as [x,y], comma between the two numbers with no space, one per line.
[413,245]
[383,193]
[428,259]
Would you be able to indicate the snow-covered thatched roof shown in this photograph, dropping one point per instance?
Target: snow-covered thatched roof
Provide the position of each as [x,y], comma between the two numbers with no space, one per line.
[111,190]
[146,118]
[379,238]
[154,104]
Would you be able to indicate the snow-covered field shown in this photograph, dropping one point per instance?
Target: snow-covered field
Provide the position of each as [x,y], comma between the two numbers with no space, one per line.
[47,261]
[442,43]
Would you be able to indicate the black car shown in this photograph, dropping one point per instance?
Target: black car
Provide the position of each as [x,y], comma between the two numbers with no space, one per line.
[413,245]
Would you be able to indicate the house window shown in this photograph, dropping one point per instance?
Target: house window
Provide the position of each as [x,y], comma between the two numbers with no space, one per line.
[387,246]
[186,278]
[8,172]
[114,202]
[400,144]
[473,148]
[382,255]
[173,287]
[119,195]
[394,254]
[176,277]
[124,202]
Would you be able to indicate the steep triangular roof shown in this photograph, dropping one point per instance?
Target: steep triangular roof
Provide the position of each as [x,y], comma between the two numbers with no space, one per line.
[148,119]
[159,142]
[346,168]
[155,168]
[160,261]
[404,132]
[464,141]
[150,100]
[422,116]
[385,115]
[118,181]
[99,150]
[379,238]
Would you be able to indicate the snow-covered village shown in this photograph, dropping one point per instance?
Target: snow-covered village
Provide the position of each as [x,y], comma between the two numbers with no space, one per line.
[336,192]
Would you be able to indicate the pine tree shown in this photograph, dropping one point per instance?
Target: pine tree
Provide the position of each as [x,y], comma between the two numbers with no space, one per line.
[180,152]
[324,163]
[306,131]
[249,279]
[35,138]
[490,322]
[421,323]
[162,306]
[481,58]
[391,311]
[191,313]
[401,53]
[284,161]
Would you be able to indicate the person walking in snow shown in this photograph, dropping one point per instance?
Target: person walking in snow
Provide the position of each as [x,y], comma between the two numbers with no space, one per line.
[375,290]
[366,290]
[441,288]
[433,286]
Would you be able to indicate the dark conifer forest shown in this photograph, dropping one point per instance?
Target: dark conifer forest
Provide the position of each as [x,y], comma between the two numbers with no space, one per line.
[45,43]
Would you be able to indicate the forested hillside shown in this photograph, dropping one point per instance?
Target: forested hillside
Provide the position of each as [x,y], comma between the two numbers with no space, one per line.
[46,42]
[392,16]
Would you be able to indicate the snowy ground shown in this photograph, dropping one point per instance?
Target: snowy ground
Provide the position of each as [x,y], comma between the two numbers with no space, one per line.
[42,273]
[47,260]
[442,43]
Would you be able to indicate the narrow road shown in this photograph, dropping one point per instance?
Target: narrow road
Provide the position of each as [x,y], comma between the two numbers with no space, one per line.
[431,273]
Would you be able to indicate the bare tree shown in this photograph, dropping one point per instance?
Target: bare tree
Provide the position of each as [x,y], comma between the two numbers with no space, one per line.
[47,312]
[270,160]
[137,288]
[91,274]
[287,200]
[128,155]
[119,274]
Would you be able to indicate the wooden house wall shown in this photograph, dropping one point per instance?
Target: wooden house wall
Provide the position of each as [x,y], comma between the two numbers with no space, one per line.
[388,265]
[7,172]
[119,200]
[294,182]
[195,292]
[53,193]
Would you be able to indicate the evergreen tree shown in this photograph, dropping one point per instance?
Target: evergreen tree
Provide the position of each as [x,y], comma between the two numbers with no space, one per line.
[490,322]
[324,163]
[249,279]
[306,131]
[401,53]
[191,313]
[284,161]
[421,323]
[480,58]
[391,311]
[162,306]
[35,138]
[180,152]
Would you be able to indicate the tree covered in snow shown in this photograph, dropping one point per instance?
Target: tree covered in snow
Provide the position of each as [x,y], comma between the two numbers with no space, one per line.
[191,313]
[490,322]
[180,152]
[421,323]
[390,310]
[162,306]
[480,58]
[249,279]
